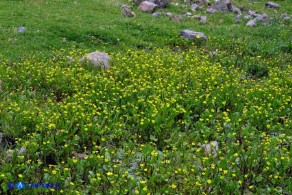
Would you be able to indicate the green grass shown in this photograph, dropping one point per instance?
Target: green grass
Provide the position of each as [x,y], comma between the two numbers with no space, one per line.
[140,126]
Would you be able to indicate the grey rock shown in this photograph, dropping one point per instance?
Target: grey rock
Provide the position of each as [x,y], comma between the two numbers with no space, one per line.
[272,5]
[202,2]
[195,7]
[201,19]
[211,149]
[189,14]
[159,3]
[285,18]
[176,18]
[168,14]
[97,59]
[221,6]
[147,6]
[211,10]
[156,14]
[252,13]
[193,36]
[263,18]
[251,23]
[236,10]
[237,18]
[21,30]
[127,11]
[247,17]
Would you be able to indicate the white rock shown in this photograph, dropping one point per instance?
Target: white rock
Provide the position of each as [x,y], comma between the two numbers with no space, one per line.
[98,59]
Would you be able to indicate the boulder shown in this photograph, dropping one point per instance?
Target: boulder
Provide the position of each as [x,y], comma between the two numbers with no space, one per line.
[127,11]
[97,59]
[272,5]
[193,36]
[147,6]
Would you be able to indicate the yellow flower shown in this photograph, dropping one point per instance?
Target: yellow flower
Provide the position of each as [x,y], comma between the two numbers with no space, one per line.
[209,181]
[109,173]
[20,175]
[173,186]
[54,172]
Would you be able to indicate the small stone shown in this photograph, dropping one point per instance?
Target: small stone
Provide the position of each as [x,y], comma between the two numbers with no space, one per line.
[127,11]
[237,18]
[168,14]
[156,14]
[203,19]
[189,14]
[195,7]
[211,10]
[176,18]
[247,17]
[80,155]
[262,18]
[252,13]
[21,30]
[272,5]
[251,23]
[211,149]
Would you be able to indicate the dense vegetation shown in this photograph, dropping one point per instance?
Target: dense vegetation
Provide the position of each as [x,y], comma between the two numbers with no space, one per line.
[140,126]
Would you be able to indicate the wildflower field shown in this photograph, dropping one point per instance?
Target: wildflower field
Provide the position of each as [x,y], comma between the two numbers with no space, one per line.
[140,126]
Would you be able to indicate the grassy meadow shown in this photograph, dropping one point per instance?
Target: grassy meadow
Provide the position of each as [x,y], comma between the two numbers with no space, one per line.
[140,126]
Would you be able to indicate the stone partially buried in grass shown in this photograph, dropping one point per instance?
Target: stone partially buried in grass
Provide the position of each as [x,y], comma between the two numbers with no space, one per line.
[97,59]
[193,36]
